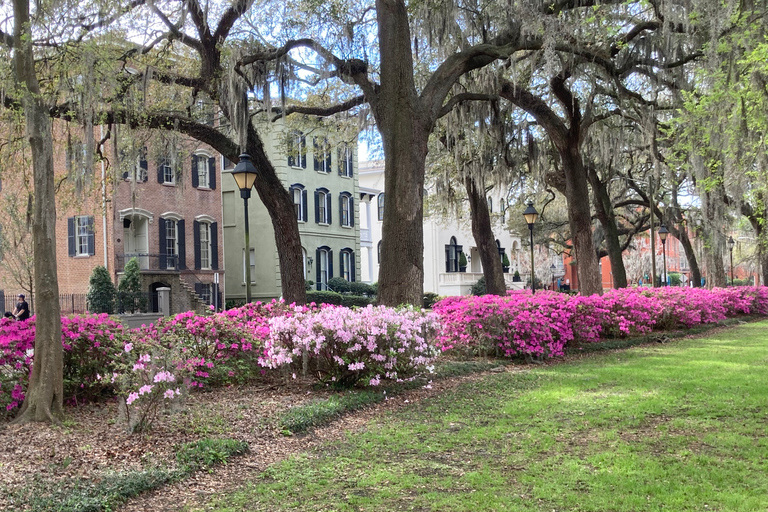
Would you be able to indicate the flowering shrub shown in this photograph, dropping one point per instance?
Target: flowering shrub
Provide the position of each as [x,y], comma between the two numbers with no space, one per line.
[347,346]
[542,324]
[90,343]
[17,339]
[146,381]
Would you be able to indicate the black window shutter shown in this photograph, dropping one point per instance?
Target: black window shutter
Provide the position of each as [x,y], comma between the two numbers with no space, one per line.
[291,160]
[317,270]
[212,173]
[352,266]
[303,152]
[340,160]
[341,209]
[330,264]
[328,207]
[163,243]
[199,289]
[350,163]
[144,165]
[304,204]
[91,237]
[317,207]
[196,237]
[351,212]
[447,258]
[316,153]
[72,241]
[160,172]
[182,261]
[195,177]
[327,160]
[215,246]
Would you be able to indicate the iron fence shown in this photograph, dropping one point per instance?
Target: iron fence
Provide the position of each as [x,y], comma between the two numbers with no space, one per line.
[77,303]
[160,262]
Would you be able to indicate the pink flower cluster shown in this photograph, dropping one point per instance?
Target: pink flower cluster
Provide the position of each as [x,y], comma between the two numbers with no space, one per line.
[345,345]
[542,324]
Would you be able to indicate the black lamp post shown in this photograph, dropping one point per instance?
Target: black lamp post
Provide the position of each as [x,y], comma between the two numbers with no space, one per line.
[553,268]
[245,175]
[531,215]
[731,244]
[663,232]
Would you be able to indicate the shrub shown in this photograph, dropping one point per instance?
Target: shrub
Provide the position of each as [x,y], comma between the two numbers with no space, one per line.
[362,289]
[504,259]
[324,297]
[129,295]
[479,287]
[309,285]
[429,300]
[462,260]
[347,346]
[339,284]
[350,301]
[101,292]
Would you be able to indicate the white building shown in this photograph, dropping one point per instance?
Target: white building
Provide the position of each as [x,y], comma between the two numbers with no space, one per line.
[444,240]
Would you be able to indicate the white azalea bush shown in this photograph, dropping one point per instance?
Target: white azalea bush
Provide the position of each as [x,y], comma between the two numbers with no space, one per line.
[350,346]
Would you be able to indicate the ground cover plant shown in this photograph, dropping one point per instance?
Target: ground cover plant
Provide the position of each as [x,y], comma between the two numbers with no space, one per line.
[659,427]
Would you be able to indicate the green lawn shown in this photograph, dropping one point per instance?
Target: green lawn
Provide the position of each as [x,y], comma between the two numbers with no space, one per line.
[679,426]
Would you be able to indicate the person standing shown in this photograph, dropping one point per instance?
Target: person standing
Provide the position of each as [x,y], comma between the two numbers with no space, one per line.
[22,308]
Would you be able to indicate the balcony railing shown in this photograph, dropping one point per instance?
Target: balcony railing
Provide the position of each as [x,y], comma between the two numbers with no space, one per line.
[157,262]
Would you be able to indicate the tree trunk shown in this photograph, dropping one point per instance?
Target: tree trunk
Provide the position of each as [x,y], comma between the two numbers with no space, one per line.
[404,135]
[44,397]
[580,221]
[279,204]
[486,242]
[690,255]
[607,218]
[714,211]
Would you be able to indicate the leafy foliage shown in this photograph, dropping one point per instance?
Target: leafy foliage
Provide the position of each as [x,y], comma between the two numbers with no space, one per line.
[101,292]
[130,297]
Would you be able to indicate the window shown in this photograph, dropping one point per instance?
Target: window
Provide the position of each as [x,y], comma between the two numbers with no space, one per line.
[201,171]
[253,265]
[226,163]
[378,251]
[165,173]
[299,201]
[503,210]
[490,204]
[171,247]
[297,150]
[171,241]
[346,209]
[345,161]
[324,272]
[81,236]
[206,244]
[347,268]
[381,206]
[322,206]
[205,292]
[452,252]
[322,154]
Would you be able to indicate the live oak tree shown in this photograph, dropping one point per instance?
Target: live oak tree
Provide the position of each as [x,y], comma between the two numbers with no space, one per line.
[44,396]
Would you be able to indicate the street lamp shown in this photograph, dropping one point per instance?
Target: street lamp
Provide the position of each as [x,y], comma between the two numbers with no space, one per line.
[531,215]
[663,232]
[245,175]
[552,269]
[731,243]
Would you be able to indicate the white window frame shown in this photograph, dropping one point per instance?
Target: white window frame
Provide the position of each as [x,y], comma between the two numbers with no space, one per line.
[346,265]
[346,162]
[322,207]
[81,235]
[168,172]
[203,171]
[299,193]
[171,243]
[298,149]
[346,211]
[205,245]
[380,206]
[323,263]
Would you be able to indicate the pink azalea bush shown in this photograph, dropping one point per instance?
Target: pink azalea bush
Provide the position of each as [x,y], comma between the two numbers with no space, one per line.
[346,346]
[17,339]
[542,324]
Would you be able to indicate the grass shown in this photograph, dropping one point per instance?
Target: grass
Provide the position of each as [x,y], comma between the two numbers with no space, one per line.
[679,426]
